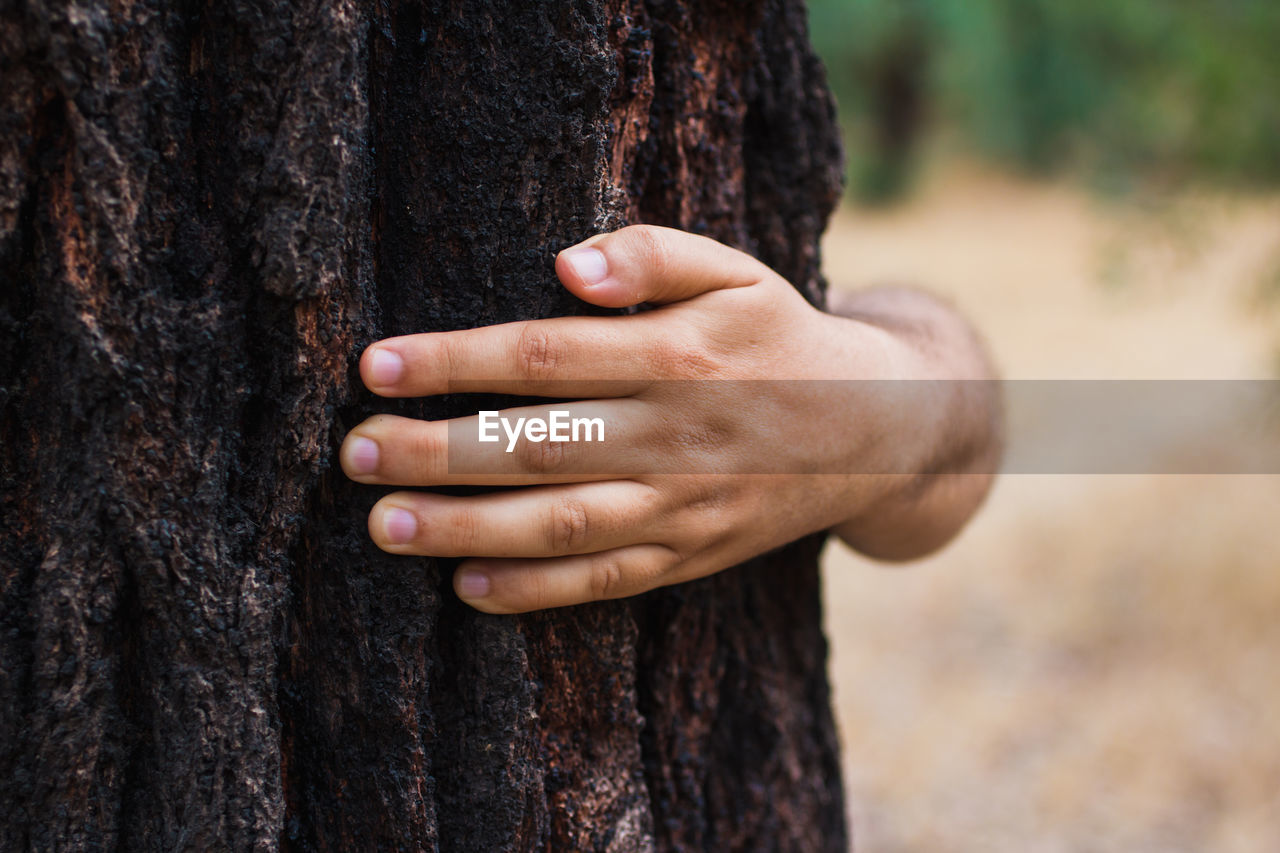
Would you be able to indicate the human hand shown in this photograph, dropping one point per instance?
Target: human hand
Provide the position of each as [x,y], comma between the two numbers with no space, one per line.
[664,498]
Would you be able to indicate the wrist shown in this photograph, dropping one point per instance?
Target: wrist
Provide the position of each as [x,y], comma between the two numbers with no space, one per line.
[941,415]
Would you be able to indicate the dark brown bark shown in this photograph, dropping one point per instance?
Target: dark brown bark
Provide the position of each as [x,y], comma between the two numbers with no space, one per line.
[206,211]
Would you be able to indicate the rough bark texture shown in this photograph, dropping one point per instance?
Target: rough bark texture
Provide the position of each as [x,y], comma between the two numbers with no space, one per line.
[207,210]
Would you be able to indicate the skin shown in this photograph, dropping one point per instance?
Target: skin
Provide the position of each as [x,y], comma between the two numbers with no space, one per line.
[694,477]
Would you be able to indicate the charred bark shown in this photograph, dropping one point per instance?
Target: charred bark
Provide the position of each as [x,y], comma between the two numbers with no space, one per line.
[207,210]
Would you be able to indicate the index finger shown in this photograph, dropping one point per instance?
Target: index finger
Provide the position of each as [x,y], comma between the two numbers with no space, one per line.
[564,356]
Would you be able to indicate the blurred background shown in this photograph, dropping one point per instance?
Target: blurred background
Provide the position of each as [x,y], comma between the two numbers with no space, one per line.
[1094,665]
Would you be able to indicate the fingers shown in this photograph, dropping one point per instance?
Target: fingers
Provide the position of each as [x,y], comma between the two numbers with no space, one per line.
[646,263]
[545,521]
[562,357]
[573,356]
[518,586]
[583,533]
[605,440]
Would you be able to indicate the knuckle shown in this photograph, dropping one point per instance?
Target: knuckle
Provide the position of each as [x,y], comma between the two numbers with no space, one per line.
[538,353]
[568,528]
[430,449]
[712,504]
[542,457]
[446,355]
[651,503]
[462,534]
[683,356]
[538,590]
[766,299]
[654,572]
[702,436]
[649,245]
[606,578]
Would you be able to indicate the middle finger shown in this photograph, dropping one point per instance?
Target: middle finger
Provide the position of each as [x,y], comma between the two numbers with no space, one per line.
[596,440]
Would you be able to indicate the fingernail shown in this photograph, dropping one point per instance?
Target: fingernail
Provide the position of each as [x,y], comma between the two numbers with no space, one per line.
[589,264]
[385,367]
[362,455]
[399,525]
[472,584]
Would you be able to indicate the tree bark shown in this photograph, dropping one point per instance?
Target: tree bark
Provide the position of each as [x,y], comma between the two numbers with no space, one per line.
[207,210]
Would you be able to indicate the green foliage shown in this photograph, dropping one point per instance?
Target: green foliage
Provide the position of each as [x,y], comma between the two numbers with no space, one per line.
[1129,90]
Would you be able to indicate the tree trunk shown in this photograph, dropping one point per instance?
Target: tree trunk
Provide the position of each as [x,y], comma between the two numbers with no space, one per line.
[207,210]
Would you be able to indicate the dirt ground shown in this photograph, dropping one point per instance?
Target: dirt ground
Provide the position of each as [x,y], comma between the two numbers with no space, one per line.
[1094,665]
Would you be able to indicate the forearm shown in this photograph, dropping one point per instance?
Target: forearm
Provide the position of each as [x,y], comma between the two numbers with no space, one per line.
[917,511]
